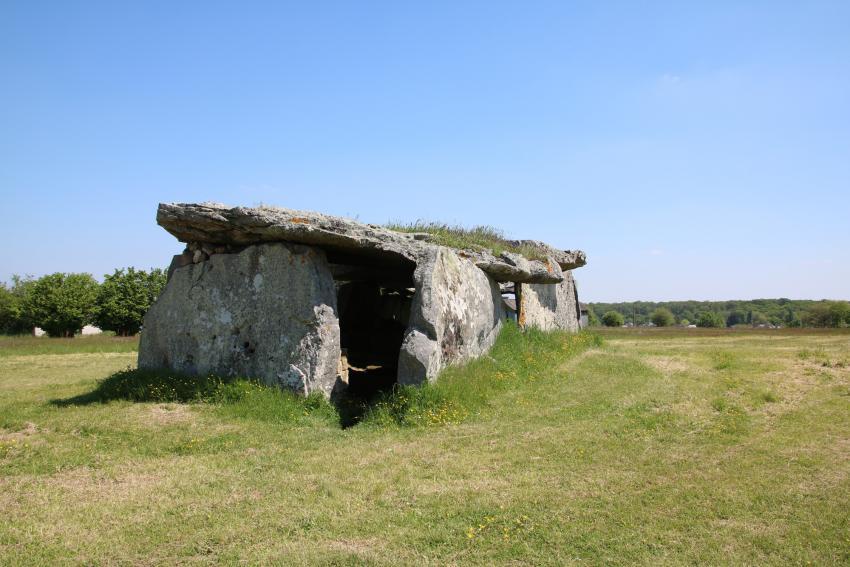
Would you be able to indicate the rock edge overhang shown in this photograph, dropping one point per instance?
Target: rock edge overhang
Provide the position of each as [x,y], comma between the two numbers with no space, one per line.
[215,223]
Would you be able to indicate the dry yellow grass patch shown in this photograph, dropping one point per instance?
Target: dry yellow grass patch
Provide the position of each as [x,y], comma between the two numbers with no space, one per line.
[159,415]
[20,435]
[666,364]
[87,485]
[365,547]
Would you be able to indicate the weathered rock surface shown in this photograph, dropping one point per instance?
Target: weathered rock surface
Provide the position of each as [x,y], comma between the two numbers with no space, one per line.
[267,312]
[456,315]
[510,267]
[550,307]
[216,224]
[566,259]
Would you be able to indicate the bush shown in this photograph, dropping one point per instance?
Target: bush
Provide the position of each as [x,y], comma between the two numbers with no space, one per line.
[61,304]
[711,319]
[662,317]
[613,319]
[124,298]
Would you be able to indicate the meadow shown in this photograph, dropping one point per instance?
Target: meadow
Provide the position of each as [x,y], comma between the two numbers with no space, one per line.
[655,448]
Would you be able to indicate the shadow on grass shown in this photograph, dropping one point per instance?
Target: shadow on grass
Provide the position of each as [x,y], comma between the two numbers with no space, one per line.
[235,397]
[151,386]
[238,397]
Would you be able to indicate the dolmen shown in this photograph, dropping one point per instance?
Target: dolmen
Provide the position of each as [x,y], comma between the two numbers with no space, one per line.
[318,304]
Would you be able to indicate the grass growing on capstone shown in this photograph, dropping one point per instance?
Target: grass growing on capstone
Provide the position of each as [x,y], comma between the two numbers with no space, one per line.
[668,448]
[486,238]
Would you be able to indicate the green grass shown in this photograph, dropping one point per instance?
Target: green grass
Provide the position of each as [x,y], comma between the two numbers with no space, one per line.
[516,359]
[28,345]
[648,449]
[486,238]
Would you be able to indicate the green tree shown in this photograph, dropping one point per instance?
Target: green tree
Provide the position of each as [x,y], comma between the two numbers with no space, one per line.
[827,314]
[662,317]
[12,317]
[61,304]
[124,298]
[790,318]
[7,305]
[711,319]
[740,311]
[839,314]
[612,319]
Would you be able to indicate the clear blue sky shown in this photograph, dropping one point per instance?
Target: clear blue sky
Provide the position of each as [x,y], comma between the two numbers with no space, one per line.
[694,150]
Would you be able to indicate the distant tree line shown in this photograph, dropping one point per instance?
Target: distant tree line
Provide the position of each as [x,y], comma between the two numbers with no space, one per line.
[62,304]
[753,313]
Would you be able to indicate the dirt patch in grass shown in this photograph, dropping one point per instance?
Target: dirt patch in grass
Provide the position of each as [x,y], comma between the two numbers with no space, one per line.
[27,431]
[833,477]
[800,378]
[360,547]
[666,364]
[84,484]
[167,414]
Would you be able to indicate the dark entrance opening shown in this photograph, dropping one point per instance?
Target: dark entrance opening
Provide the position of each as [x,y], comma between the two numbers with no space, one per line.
[372,322]
[373,306]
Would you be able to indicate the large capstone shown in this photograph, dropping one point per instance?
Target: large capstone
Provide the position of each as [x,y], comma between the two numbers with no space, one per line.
[456,315]
[215,224]
[550,307]
[267,312]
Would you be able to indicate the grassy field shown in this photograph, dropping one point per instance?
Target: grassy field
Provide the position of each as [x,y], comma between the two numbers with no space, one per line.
[653,448]
[28,345]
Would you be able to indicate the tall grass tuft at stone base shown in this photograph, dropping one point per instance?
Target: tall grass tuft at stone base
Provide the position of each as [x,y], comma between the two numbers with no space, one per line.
[517,357]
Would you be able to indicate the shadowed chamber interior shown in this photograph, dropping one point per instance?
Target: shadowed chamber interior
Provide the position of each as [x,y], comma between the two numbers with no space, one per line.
[373,308]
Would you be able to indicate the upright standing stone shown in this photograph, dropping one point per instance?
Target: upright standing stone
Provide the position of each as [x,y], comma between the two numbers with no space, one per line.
[267,312]
[456,315]
[550,306]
